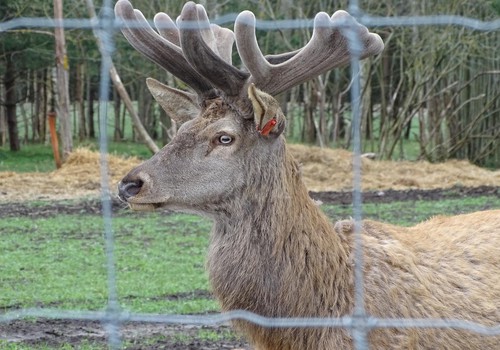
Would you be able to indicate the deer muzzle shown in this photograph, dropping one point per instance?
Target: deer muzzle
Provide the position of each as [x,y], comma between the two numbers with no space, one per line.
[127,190]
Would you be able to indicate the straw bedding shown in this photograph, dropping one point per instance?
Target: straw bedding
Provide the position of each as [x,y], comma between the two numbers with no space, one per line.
[322,170]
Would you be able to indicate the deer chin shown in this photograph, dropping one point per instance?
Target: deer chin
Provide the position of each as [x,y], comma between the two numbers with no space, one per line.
[144,206]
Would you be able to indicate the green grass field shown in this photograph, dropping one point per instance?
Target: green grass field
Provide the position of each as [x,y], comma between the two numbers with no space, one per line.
[39,158]
[59,262]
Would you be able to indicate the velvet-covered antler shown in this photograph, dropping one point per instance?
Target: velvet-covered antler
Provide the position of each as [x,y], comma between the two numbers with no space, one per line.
[327,49]
[193,50]
[199,53]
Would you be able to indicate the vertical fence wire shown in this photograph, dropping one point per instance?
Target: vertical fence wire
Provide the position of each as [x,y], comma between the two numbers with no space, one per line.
[359,323]
[359,331]
[105,32]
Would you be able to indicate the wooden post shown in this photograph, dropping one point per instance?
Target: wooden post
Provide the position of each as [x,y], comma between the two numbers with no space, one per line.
[53,138]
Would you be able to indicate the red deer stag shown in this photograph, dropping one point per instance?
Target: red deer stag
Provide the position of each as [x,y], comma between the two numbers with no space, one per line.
[272,251]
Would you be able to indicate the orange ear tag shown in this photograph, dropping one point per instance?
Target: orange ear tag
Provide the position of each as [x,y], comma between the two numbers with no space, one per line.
[268,127]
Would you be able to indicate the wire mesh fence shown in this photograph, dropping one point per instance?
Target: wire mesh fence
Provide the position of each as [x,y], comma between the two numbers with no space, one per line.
[360,323]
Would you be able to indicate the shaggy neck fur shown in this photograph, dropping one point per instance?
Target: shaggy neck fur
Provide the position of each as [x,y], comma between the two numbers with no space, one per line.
[268,251]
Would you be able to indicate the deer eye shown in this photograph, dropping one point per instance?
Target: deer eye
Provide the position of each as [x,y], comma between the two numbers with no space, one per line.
[225,140]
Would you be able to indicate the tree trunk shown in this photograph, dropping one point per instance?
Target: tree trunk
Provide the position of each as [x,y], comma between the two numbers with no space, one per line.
[24,116]
[115,78]
[321,82]
[37,98]
[10,104]
[44,110]
[90,108]
[118,134]
[309,131]
[62,83]
[80,106]
[3,122]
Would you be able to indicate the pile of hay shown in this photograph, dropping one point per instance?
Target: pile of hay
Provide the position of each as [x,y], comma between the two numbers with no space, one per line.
[331,170]
[80,176]
[322,170]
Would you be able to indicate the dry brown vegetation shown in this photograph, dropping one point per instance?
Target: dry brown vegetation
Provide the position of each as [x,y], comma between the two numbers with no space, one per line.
[322,170]
[331,170]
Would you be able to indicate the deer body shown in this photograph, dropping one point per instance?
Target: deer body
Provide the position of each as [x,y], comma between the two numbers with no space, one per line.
[283,258]
[272,250]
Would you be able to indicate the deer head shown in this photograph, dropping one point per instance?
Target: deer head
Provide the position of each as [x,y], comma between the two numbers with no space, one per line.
[231,126]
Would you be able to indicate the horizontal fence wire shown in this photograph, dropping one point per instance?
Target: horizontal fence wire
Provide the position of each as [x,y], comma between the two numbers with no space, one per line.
[347,322]
[367,20]
[360,323]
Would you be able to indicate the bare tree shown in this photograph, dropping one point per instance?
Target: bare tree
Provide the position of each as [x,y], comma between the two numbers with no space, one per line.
[9,80]
[120,88]
[3,121]
[62,67]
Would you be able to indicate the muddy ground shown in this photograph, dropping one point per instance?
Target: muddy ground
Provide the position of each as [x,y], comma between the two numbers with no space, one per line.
[56,333]
[134,336]
[16,209]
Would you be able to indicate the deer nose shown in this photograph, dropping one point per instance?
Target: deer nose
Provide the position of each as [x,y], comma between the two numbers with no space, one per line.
[128,189]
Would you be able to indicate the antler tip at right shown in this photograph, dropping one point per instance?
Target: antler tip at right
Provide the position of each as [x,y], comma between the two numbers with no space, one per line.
[246,18]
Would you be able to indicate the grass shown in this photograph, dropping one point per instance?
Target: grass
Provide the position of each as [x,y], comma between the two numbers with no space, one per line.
[30,158]
[39,158]
[17,346]
[60,261]
[406,213]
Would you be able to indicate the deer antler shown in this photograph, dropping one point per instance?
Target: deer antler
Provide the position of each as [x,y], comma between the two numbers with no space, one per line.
[199,53]
[194,51]
[159,49]
[202,57]
[327,49]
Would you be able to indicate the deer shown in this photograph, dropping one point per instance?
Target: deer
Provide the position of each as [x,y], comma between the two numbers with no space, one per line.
[272,250]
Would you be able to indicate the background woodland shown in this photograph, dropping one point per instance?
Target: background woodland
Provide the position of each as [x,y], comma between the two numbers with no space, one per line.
[436,87]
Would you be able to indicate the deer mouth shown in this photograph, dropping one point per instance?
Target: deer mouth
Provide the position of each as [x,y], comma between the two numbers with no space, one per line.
[141,203]
[144,206]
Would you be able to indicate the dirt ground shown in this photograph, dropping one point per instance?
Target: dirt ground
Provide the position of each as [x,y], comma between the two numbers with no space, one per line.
[93,206]
[327,174]
[134,336]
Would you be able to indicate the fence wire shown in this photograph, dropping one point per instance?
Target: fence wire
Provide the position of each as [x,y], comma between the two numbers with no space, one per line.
[359,323]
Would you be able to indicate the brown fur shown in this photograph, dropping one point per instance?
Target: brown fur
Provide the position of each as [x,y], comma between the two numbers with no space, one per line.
[282,257]
[273,251]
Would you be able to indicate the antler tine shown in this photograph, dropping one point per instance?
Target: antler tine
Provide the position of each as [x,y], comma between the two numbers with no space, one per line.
[219,39]
[161,51]
[205,29]
[225,39]
[224,76]
[327,49]
[248,48]
[167,28]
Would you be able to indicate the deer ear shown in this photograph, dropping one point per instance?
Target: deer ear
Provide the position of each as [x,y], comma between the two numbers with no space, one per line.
[268,117]
[181,106]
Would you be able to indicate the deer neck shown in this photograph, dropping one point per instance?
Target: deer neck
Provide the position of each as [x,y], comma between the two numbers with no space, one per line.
[272,235]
